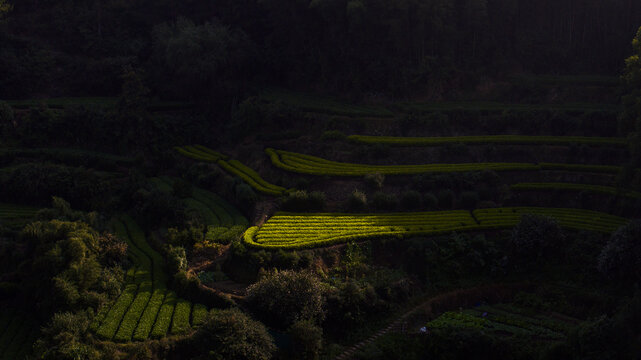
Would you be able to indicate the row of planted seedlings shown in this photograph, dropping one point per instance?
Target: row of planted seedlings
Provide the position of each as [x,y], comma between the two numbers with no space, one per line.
[312,165]
[214,210]
[293,231]
[145,308]
[235,167]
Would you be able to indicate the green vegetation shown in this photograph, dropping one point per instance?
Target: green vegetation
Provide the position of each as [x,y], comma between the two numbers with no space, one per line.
[500,107]
[145,308]
[598,189]
[323,104]
[293,231]
[18,332]
[234,167]
[312,165]
[487,139]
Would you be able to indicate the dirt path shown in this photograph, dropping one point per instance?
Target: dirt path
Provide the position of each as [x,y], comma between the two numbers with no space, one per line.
[441,303]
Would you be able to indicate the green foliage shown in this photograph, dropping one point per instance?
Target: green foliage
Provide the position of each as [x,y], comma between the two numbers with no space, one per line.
[285,297]
[488,139]
[621,256]
[231,335]
[312,165]
[300,200]
[535,236]
[375,181]
[180,319]
[307,340]
[294,231]
[357,201]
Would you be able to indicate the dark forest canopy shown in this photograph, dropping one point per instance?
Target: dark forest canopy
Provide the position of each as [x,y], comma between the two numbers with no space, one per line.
[399,47]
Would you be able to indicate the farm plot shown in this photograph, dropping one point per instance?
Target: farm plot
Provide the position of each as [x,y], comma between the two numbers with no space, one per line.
[506,320]
[293,231]
[488,139]
[597,189]
[145,308]
[15,216]
[213,209]
[234,167]
[312,165]
[18,332]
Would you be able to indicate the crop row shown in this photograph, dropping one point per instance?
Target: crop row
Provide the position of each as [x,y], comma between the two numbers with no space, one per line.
[18,332]
[609,190]
[487,139]
[145,308]
[312,165]
[12,211]
[235,167]
[214,210]
[291,231]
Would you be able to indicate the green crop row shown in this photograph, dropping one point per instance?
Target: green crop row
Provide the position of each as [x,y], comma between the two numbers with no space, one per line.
[214,209]
[487,139]
[145,308]
[294,231]
[199,314]
[312,165]
[609,190]
[235,167]
[180,320]
[12,211]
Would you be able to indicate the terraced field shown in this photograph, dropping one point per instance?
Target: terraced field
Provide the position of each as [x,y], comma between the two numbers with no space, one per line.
[506,320]
[488,139]
[145,308]
[18,332]
[312,165]
[234,167]
[15,216]
[293,231]
[213,209]
[597,189]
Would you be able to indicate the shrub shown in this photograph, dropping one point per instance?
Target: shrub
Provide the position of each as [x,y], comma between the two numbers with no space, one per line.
[469,199]
[430,201]
[536,235]
[621,256]
[231,335]
[445,199]
[385,202]
[307,340]
[333,135]
[285,297]
[300,200]
[375,181]
[411,200]
[357,201]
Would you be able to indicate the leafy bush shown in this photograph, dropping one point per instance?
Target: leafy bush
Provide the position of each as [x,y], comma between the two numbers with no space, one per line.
[307,340]
[536,235]
[285,297]
[300,200]
[621,256]
[411,200]
[385,202]
[375,181]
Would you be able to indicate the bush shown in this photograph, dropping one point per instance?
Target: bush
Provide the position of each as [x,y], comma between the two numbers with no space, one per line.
[411,200]
[300,200]
[535,236]
[430,201]
[469,199]
[621,256]
[375,181]
[384,202]
[307,340]
[285,297]
[230,335]
[357,201]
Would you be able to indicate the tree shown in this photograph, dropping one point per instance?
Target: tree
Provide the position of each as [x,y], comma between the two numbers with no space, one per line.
[232,335]
[535,236]
[286,297]
[621,256]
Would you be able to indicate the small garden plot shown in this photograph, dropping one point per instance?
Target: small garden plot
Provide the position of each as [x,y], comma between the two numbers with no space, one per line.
[506,320]
[234,167]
